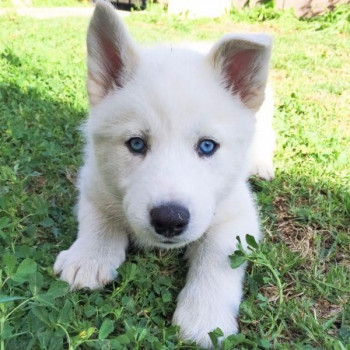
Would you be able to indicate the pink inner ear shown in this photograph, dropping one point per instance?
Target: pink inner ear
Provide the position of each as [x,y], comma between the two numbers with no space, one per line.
[239,70]
[111,60]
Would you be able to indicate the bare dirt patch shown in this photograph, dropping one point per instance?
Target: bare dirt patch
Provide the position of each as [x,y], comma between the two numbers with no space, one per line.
[300,239]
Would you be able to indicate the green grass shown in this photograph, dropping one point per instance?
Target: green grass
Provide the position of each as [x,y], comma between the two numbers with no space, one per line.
[298,285]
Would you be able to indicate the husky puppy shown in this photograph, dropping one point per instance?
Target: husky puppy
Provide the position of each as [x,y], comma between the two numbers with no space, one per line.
[169,145]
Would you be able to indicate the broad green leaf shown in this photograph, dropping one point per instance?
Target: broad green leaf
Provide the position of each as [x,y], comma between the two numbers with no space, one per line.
[142,334]
[89,310]
[47,222]
[41,314]
[65,314]
[253,285]
[166,296]
[44,339]
[128,271]
[123,339]
[53,317]
[58,289]
[56,343]
[128,302]
[237,339]
[9,262]
[237,259]
[35,282]
[24,251]
[251,241]
[115,345]
[26,267]
[4,223]
[106,329]
[261,297]
[44,300]
[171,331]
[214,336]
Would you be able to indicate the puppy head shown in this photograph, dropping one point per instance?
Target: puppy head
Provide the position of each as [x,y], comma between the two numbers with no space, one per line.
[171,128]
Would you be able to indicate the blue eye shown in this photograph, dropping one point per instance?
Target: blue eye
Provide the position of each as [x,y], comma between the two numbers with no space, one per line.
[136,145]
[206,147]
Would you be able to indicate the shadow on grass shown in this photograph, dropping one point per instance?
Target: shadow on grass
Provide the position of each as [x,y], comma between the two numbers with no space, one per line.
[38,132]
[40,154]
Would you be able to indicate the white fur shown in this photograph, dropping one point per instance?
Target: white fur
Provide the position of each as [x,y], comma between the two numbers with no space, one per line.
[173,97]
[263,146]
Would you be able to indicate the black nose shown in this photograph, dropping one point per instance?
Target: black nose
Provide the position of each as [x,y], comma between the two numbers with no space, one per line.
[169,219]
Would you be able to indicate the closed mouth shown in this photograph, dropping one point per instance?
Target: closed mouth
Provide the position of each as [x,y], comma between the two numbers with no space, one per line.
[169,242]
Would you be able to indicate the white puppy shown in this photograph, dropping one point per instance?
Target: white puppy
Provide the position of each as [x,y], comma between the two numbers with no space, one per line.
[166,162]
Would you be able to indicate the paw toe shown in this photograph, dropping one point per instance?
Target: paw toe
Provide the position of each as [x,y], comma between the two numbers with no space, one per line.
[84,272]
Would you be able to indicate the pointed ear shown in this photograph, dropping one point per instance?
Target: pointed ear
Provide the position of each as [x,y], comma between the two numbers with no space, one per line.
[112,54]
[243,63]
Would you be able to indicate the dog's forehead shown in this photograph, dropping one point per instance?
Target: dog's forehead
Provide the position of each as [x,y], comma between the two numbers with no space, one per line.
[179,83]
[171,59]
[173,90]
[171,73]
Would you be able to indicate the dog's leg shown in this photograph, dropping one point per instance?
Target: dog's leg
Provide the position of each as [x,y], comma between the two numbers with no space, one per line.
[264,140]
[213,292]
[99,250]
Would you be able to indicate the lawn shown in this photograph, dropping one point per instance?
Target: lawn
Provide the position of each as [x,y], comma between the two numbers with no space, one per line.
[297,290]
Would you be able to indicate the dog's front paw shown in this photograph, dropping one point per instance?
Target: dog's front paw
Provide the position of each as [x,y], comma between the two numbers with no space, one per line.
[84,269]
[263,169]
[198,313]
